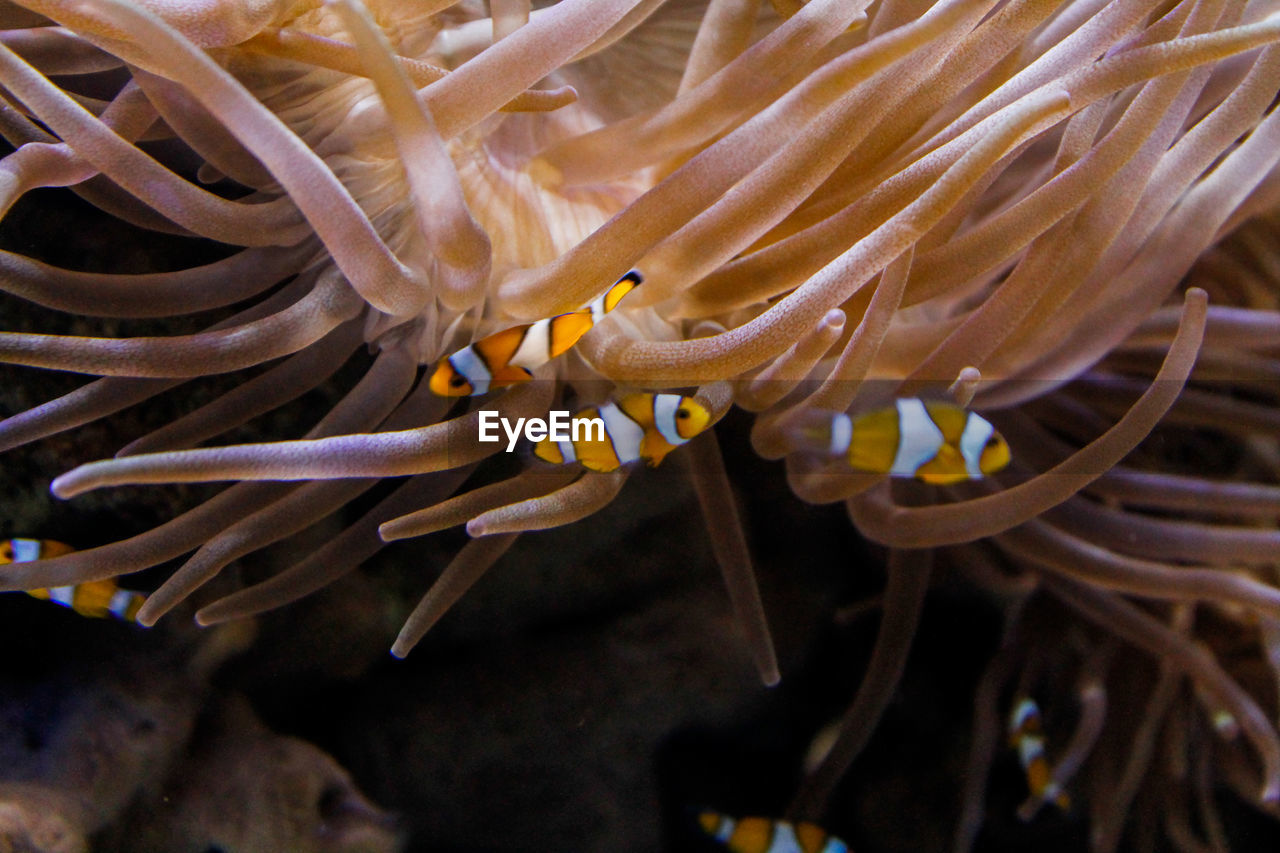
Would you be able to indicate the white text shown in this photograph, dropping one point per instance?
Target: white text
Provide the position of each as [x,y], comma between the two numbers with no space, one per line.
[559,426]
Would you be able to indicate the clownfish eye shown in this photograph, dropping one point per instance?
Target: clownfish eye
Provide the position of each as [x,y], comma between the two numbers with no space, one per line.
[457,381]
[683,414]
[992,442]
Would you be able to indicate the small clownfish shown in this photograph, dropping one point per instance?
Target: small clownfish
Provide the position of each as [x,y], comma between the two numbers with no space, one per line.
[638,426]
[763,835]
[1027,736]
[510,356]
[936,442]
[95,599]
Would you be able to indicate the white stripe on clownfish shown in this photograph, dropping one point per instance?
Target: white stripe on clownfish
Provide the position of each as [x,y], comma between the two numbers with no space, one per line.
[532,352]
[64,595]
[121,601]
[919,438]
[468,363]
[664,417]
[841,434]
[972,442]
[26,550]
[624,433]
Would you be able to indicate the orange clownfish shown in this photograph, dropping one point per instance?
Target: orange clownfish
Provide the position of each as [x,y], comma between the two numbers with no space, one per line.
[638,426]
[1026,735]
[763,835]
[95,599]
[510,356]
[936,442]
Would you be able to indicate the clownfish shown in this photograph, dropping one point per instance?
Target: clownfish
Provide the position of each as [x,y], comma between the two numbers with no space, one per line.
[763,835]
[95,599]
[935,442]
[638,426]
[510,356]
[1026,735]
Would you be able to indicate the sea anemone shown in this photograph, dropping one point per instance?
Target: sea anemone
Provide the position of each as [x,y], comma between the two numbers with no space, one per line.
[834,204]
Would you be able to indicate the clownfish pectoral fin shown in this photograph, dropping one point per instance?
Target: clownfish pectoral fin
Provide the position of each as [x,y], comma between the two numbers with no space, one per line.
[945,468]
[654,448]
[949,418]
[509,376]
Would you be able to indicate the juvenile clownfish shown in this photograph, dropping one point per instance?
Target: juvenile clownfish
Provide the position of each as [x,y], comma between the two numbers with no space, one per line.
[95,599]
[936,442]
[763,835]
[510,356]
[638,426]
[1026,735]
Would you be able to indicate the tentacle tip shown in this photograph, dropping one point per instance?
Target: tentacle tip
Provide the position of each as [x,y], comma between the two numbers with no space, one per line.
[400,649]
[207,617]
[770,677]
[1197,296]
[476,528]
[67,485]
[544,173]
[389,531]
[1058,100]
[149,615]
[1271,792]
